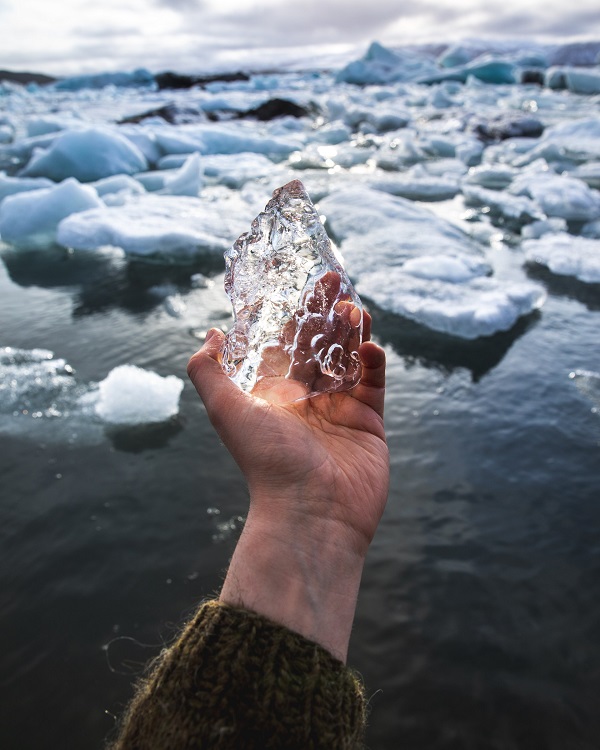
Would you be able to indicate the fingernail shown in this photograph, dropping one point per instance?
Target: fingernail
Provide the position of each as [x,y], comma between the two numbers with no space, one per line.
[209,334]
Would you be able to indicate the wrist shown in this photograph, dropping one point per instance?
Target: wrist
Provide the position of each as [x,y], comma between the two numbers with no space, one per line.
[302,574]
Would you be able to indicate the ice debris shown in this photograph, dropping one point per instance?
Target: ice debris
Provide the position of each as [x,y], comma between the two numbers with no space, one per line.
[130,395]
[588,383]
[33,383]
[298,320]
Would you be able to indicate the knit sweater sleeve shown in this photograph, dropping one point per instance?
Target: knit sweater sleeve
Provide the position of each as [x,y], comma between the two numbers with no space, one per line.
[237,680]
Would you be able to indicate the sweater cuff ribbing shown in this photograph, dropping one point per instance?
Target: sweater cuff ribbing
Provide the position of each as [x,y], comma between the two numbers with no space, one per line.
[234,679]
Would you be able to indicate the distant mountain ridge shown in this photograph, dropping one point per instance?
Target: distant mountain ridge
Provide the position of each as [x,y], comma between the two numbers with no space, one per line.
[25,77]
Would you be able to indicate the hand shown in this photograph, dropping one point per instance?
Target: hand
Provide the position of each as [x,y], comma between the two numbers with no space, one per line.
[317,471]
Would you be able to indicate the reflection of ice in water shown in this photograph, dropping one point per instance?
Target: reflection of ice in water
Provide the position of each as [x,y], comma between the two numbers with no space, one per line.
[588,383]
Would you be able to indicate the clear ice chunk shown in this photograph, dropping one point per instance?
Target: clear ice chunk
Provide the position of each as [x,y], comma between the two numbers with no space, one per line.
[297,319]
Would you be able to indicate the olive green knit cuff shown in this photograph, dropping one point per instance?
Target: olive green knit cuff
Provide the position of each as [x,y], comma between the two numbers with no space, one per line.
[237,680]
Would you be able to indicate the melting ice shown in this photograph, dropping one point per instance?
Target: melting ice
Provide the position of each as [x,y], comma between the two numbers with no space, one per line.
[297,316]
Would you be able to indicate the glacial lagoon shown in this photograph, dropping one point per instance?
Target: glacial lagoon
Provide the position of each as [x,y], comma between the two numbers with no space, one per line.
[463,195]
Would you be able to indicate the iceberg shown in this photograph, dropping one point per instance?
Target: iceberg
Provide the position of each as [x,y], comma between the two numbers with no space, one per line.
[32,217]
[566,255]
[486,68]
[137,78]
[130,395]
[298,320]
[381,65]
[88,154]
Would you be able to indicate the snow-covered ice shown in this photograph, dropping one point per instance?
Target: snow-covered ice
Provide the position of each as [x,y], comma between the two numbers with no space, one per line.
[169,227]
[478,307]
[130,395]
[559,195]
[566,255]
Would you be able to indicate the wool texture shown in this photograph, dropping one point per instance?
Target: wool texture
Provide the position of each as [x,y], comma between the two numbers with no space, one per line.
[236,680]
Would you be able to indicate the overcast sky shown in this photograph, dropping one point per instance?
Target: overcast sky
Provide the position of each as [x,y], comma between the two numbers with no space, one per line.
[75,36]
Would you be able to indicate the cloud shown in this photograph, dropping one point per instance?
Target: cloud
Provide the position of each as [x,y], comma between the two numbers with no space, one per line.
[195,35]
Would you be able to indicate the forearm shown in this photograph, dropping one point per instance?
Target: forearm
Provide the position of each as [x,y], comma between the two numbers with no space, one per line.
[303,577]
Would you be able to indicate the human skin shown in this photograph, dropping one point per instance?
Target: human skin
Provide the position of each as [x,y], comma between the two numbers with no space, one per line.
[317,472]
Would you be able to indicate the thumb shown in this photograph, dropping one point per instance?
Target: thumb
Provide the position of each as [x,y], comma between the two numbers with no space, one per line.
[204,369]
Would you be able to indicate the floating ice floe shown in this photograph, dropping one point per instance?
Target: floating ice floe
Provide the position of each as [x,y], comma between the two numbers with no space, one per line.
[559,195]
[491,176]
[412,263]
[236,170]
[14,185]
[375,229]
[173,228]
[187,180]
[130,395]
[218,139]
[566,255]
[116,190]
[591,229]
[538,229]
[88,154]
[7,133]
[577,80]
[514,209]
[418,185]
[589,173]
[474,308]
[575,141]
[36,126]
[32,217]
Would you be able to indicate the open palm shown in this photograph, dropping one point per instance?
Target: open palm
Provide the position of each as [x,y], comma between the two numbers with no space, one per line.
[320,458]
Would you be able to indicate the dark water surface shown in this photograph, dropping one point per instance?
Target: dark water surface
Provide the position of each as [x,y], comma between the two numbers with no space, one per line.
[478,625]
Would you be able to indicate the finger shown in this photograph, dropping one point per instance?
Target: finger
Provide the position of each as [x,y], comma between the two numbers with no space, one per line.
[324,294]
[371,389]
[210,380]
[367,320]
